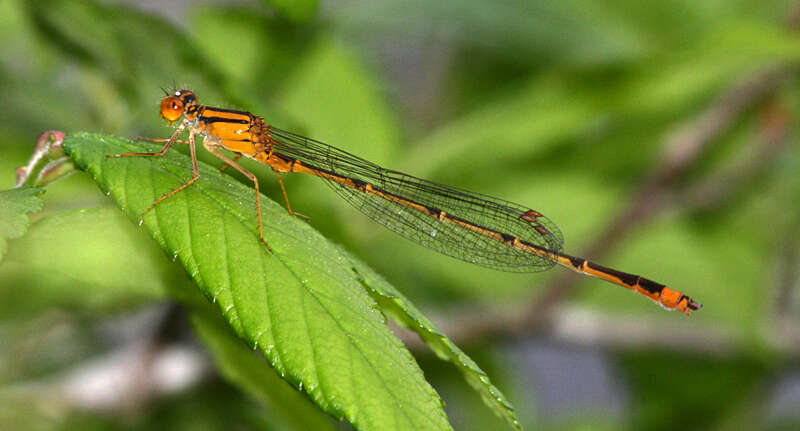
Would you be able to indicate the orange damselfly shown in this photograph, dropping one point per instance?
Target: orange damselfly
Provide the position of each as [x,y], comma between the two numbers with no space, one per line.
[473,227]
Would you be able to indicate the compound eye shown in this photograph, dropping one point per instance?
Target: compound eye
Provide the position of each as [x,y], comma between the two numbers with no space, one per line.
[171,108]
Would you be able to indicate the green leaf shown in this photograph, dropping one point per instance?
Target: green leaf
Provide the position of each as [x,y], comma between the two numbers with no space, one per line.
[300,304]
[247,369]
[15,205]
[406,314]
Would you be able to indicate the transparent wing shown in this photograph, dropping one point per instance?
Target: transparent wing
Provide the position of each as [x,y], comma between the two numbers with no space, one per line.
[481,211]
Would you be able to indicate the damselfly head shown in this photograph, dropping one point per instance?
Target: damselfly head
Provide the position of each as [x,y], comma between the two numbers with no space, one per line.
[174,105]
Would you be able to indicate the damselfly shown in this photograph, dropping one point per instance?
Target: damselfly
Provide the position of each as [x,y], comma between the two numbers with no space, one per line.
[476,228]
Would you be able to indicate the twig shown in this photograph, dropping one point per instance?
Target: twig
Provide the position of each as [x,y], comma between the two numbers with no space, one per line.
[47,163]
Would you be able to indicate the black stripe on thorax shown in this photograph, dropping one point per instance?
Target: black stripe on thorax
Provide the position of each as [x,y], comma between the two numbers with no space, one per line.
[210,120]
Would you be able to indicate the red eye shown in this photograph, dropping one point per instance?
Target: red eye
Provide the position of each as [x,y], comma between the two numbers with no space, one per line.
[171,108]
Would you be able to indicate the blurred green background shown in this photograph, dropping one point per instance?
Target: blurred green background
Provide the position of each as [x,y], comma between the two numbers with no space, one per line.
[660,137]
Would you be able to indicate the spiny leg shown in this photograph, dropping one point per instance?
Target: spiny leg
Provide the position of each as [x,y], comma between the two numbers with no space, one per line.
[235,158]
[163,150]
[213,150]
[286,197]
[195,176]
